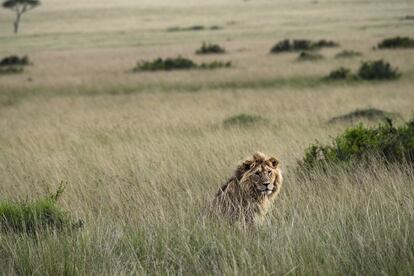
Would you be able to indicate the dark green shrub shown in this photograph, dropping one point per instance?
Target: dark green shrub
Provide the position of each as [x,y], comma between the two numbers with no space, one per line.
[377,70]
[35,217]
[11,70]
[178,63]
[14,61]
[184,29]
[301,45]
[215,28]
[208,48]
[396,42]
[372,114]
[193,28]
[309,56]
[340,73]
[359,144]
[408,17]
[348,54]
[281,46]
[243,119]
[215,65]
[325,44]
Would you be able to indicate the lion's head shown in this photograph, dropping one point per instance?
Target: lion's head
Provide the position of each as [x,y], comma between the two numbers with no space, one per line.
[260,175]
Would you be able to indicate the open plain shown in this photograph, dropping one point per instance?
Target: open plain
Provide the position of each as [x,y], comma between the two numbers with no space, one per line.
[142,153]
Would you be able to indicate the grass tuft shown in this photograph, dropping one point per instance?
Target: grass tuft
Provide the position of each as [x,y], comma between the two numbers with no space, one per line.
[14,61]
[371,114]
[209,48]
[396,42]
[301,45]
[178,63]
[35,217]
[194,28]
[340,73]
[309,56]
[348,54]
[244,120]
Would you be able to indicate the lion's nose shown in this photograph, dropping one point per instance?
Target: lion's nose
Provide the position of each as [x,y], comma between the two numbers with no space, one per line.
[266,184]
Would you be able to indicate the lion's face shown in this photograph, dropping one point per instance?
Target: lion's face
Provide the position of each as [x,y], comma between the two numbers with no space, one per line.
[261,174]
[263,178]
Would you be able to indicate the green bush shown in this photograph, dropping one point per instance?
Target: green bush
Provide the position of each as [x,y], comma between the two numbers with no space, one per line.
[208,48]
[309,56]
[340,73]
[377,70]
[324,44]
[281,46]
[348,54]
[243,119]
[14,61]
[396,42]
[193,28]
[408,17]
[215,65]
[359,144]
[178,63]
[372,114]
[35,217]
[301,45]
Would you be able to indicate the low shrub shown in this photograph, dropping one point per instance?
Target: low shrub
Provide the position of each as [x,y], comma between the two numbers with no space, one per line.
[39,216]
[208,48]
[215,28]
[372,114]
[214,65]
[243,120]
[408,17]
[377,70]
[325,44]
[301,45]
[281,46]
[359,144]
[11,70]
[14,61]
[340,73]
[194,28]
[396,42]
[309,56]
[348,54]
[178,63]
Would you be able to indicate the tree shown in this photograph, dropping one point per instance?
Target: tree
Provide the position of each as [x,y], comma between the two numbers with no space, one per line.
[20,7]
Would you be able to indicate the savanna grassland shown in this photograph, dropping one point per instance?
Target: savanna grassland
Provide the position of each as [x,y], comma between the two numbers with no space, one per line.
[142,153]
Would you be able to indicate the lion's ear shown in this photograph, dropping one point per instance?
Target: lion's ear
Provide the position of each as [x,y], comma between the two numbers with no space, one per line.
[247,165]
[273,162]
[243,168]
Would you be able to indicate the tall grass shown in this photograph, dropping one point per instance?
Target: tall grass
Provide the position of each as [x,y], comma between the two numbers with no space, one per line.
[140,171]
[345,222]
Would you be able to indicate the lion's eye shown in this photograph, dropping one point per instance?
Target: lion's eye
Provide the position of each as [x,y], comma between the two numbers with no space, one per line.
[269,172]
[257,173]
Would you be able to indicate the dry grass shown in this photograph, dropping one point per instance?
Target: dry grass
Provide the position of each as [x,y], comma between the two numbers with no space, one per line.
[142,153]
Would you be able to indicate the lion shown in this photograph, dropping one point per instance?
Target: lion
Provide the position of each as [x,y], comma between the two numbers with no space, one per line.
[250,192]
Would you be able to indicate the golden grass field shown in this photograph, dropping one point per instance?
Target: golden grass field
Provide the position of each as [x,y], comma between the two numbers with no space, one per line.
[141,154]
